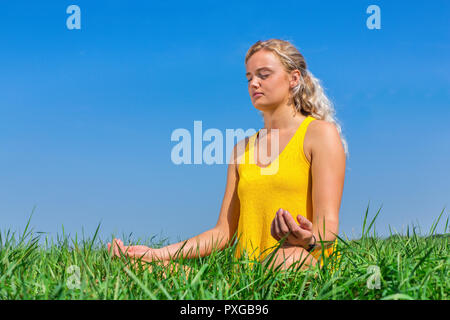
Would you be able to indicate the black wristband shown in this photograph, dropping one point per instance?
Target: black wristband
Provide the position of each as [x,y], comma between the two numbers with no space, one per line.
[311,246]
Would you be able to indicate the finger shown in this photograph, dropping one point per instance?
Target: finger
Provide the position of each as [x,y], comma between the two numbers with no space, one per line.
[276,229]
[116,248]
[292,225]
[121,246]
[304,223]
[291,238]
[283,226]
[122,249]
[272,231]
[303,232]
[111,249]
[127,250]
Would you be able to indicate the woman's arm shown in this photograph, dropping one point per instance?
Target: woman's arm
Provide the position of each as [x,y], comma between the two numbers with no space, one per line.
[328,173]
[199,246]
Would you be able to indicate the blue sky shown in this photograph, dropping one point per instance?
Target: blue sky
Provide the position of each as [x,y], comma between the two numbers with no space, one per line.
[86,115]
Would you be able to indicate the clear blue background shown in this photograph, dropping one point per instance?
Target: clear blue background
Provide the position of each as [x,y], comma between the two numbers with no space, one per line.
[86,115]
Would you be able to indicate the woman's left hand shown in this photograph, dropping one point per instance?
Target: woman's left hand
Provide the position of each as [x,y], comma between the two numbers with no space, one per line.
[299,234]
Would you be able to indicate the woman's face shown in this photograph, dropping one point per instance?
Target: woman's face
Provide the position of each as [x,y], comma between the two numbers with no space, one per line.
[265,74]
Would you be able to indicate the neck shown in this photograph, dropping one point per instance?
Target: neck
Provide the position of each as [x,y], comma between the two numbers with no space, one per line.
[282,118]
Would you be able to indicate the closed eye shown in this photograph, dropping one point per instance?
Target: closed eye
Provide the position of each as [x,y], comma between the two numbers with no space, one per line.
[262,76]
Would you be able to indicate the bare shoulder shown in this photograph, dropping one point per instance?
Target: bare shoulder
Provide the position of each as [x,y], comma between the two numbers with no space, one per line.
[320,134]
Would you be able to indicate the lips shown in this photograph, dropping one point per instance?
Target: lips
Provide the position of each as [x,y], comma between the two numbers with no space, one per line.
[257,94]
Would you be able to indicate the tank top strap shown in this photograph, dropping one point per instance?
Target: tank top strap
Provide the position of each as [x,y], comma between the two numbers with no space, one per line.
[252,150]
[303,127]
[299,135]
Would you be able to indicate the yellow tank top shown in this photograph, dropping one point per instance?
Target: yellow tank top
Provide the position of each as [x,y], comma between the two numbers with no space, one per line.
[284,183]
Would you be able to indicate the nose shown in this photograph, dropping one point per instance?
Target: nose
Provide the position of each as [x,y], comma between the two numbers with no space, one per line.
[254,83]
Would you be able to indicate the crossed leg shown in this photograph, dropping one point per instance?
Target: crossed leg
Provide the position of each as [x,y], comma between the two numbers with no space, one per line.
[285,256]
[288,255]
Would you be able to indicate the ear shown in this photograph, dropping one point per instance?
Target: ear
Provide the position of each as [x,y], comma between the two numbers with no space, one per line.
[295,78]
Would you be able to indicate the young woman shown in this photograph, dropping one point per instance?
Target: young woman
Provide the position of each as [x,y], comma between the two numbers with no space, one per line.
[293,195]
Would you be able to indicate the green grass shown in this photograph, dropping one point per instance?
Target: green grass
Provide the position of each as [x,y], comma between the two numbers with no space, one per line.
[411,266]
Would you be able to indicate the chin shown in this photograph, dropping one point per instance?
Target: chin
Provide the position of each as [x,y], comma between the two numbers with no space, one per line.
[261,106]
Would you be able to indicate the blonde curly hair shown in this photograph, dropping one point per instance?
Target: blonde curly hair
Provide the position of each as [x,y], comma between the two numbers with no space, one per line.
[308,95]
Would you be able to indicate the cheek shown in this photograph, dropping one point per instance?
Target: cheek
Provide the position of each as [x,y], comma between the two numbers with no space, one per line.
[277,86]
[275,91]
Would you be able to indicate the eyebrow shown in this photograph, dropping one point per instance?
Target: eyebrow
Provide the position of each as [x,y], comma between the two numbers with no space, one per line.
[259,69]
